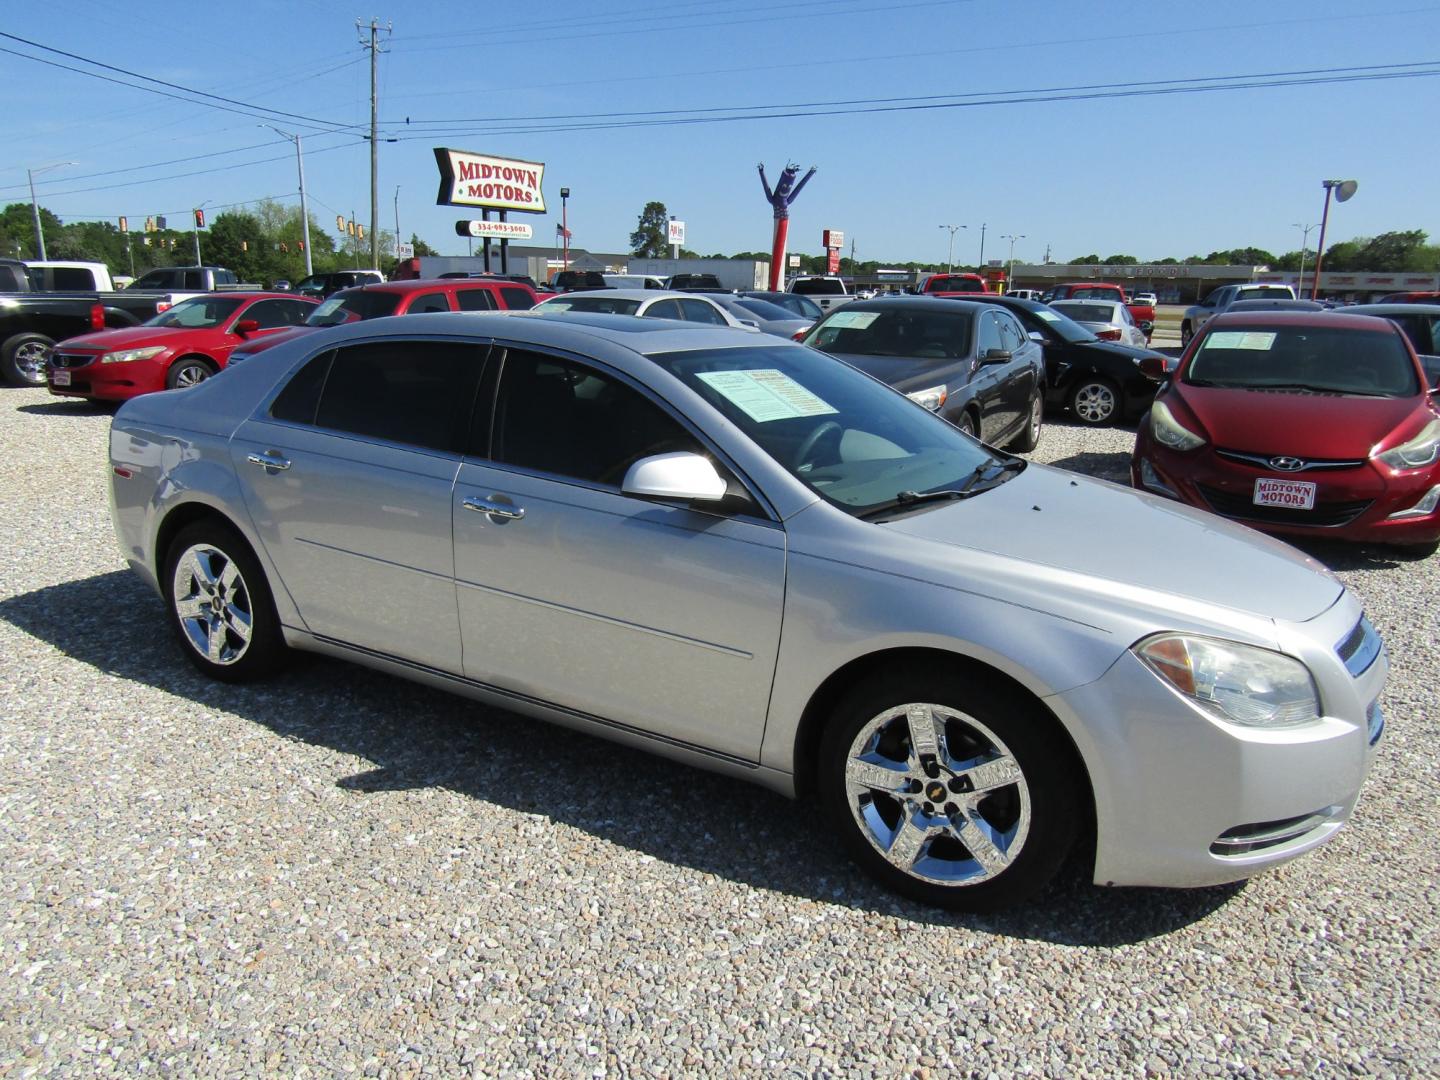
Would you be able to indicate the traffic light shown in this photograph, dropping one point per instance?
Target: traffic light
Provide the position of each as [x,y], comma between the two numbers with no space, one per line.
[199,219]
[340,223]
[124,225]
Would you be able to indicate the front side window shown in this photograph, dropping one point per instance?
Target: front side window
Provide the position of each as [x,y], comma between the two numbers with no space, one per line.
[275,313]
[1012,337]
[1316,359]
[428,302]
[198,313]
[413,392]
[350,307]
[989,334]
[562,417]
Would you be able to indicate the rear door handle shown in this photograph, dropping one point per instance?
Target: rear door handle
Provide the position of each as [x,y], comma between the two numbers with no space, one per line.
[495,509]
[268,460]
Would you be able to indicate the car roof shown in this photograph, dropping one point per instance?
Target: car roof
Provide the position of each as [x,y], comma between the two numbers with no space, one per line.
[1387,310]
[1344,320]
[635,294]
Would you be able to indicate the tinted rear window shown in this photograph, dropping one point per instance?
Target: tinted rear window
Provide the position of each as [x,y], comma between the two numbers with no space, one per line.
[818,287]
[937,334]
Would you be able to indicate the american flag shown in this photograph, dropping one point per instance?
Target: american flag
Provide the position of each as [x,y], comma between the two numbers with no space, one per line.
[560,230]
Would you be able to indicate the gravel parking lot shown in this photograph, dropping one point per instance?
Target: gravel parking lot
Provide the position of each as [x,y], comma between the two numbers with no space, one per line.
[342,873]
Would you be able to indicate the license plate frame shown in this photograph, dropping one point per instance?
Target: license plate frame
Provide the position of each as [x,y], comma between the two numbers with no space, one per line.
[1284,494]
[59,377]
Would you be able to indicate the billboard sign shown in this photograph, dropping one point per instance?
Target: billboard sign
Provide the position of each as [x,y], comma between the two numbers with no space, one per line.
[504,230]
[494,183]
[832,238]
[676,232]
[404,251]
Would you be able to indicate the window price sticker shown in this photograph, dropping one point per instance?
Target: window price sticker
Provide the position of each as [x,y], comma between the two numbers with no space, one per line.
[766,394]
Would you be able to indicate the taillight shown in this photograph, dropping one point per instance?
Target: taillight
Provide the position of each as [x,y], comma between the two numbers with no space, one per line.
[799,335]
[1108,335]
[163,306]
[97,316]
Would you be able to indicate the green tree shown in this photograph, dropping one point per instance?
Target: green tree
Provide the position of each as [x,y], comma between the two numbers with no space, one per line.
[1121,260]
[648,241]
[421,247]
[1086,260]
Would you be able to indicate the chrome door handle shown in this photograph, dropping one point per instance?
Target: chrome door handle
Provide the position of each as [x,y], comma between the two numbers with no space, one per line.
[494,509]
[268,460]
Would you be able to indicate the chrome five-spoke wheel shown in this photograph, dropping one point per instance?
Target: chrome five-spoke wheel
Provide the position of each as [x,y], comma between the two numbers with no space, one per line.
[213,604]
[1094,402]
[938,794]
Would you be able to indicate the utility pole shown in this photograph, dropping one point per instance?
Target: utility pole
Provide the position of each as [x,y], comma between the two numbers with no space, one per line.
[374,46]
[397,219]
[979,268]
[1304,243]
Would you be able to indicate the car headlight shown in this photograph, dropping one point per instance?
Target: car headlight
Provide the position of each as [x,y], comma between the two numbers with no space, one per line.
[126,356]
[1418,452]
[932,398]
[1168,431]
[1239,683]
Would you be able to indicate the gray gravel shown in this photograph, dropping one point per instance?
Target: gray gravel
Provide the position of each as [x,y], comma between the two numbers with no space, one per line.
[341,873]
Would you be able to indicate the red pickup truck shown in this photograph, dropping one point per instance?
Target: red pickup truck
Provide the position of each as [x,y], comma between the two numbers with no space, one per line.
[953,285]
[1143,314]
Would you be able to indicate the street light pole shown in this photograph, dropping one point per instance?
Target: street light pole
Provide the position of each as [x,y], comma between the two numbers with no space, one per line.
[1304,243]
[1346,189]
[35,206]
[1010,268]
[565,226]
[304,206]
[981,264]
[950,254]
[397,220]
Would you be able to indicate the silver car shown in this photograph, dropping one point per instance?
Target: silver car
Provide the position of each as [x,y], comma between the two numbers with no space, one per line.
[744,554]
[1109,320]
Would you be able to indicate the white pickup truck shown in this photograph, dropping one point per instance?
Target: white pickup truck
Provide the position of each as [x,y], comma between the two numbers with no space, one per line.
[1219,301]
[828,292]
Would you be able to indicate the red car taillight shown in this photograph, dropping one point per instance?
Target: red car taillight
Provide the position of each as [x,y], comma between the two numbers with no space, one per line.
[163,306]
[799,335]
[97,316]
[1108,335]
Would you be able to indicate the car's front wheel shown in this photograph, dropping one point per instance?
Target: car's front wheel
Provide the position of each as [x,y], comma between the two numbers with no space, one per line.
[23,359]
[951,790]
[1185,334]
[1094,401]
[220,604]
[187,371]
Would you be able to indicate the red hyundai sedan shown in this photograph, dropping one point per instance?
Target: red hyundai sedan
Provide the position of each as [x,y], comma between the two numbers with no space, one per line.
[179,347]
[1300,423]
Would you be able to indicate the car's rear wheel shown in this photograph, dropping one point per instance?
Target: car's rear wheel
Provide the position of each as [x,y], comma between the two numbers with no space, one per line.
[951,790]
[220,603]
[1029,439]
[1095,400]
[966,423]
[23,359]
[187,371]
[1185,334]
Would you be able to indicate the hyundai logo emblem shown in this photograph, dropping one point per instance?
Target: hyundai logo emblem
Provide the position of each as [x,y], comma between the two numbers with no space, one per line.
[1287,464]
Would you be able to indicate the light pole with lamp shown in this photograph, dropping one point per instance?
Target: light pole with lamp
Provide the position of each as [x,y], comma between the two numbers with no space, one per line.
[979,267]
[565,226]
[304,206]
[35,206]
[1346,188]
[950,255]
[1010,266]
[1304,243]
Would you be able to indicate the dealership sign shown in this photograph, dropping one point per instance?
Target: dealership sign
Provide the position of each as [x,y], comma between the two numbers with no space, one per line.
[493,183]
[675,231]
[504,230]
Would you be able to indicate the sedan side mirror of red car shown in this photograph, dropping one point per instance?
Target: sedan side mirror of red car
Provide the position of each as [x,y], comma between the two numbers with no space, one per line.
[246,326]
[1153,367]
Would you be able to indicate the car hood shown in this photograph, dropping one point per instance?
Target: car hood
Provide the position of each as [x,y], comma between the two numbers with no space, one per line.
[904,373]
[1294,423]
[1124,539]
[132,337]
[254,345]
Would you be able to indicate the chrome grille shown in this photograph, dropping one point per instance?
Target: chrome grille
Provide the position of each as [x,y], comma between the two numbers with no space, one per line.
[72,359]
[1262,461]
[1325,514]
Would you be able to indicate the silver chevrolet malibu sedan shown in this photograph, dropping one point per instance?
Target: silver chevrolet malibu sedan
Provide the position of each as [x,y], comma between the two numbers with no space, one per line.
[742,553]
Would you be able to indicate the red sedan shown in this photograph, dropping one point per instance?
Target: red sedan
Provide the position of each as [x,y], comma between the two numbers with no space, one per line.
[180,347]
[1302,423]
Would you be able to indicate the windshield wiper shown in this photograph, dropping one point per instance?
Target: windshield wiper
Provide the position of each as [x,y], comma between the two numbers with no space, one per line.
[969,487]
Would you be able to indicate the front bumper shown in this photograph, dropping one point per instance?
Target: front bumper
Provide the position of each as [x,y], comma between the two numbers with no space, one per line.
[88,378]
[1183,799]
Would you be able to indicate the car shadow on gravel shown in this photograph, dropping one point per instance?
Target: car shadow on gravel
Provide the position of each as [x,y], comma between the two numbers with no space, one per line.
[71,407]
[421,738]
[1098,464]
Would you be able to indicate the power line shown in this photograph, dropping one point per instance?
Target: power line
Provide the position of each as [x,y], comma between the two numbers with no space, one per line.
[252,109]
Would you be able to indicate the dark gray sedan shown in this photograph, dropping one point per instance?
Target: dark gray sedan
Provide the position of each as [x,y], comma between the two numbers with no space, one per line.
[768,317]
[972,364]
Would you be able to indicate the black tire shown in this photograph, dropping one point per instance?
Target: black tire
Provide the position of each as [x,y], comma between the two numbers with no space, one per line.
[23,358]
[966,423]
[1185,334]
[187,371]
[1034,774]
[200,624]
[1095,401]
[1029,437]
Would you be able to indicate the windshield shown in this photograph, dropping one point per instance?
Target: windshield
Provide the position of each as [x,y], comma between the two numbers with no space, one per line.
[599,304]
[198,313]
[1067,328]
[763,309]
[1319,359]
[901,331]
[1082,312]
[354,306]
[849,438]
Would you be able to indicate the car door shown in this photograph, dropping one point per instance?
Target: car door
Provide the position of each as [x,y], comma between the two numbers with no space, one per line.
[1019,375]
[272,315]
[348,477]
[650,615]
[986,380]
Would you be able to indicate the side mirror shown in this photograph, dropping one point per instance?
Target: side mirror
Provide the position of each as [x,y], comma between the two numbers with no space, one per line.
[1153,367]
[751,323]
[682,475]
[246,326]
[1037,337]
[995,356]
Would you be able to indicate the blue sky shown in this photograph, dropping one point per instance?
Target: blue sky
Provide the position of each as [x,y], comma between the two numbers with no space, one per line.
[1152,176]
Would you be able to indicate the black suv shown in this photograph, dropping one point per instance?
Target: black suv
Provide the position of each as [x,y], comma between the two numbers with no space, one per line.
[322,285]
[578,280]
